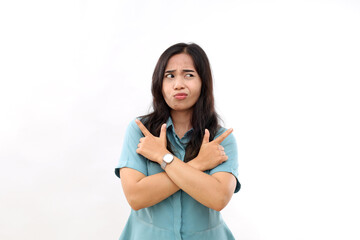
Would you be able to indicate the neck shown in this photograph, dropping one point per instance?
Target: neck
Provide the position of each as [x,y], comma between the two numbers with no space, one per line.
[181,121]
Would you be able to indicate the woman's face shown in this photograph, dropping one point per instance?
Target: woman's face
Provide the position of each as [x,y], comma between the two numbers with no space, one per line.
[181,86]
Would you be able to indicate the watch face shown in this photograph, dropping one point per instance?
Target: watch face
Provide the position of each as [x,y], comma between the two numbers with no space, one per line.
[168,158]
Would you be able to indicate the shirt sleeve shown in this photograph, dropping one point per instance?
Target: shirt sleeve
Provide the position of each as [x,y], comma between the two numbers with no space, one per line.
[231,165]
[129,157]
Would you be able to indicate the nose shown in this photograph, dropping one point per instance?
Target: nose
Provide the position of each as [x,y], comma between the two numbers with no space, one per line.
[179,83]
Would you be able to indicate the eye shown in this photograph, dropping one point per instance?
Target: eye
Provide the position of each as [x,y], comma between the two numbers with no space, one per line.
[189,75]
[169,75]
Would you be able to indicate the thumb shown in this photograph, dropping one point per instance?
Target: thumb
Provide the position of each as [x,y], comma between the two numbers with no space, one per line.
[163,133]
[206,136]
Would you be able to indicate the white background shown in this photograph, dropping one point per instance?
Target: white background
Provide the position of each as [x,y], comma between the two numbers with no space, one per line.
[75,73]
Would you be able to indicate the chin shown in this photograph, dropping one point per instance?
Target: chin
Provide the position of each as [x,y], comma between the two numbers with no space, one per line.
[180,108]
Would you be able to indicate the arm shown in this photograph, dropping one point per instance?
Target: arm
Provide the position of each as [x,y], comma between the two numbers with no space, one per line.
[220,186]
[144,191]
[213,191]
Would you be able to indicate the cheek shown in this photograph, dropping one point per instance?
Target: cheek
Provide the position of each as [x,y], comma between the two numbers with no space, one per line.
[197,96]
[164,91]
[198,89]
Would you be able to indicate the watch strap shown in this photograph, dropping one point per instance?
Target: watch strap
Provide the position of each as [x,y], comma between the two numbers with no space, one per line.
[163,164]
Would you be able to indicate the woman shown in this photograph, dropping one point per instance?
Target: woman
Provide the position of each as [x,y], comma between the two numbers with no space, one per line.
[178,167]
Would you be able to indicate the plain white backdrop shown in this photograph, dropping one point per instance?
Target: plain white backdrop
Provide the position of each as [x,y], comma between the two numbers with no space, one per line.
[75,73]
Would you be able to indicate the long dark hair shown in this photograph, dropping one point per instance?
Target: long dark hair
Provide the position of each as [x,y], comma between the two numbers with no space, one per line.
[204,115]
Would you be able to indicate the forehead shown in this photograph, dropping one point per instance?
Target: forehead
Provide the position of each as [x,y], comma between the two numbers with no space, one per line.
[182,60]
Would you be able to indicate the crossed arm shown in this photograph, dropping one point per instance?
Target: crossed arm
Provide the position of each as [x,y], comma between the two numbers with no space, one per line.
[213,191]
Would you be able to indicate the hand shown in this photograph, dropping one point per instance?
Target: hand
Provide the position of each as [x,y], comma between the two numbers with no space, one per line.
[211,154]
[151,147]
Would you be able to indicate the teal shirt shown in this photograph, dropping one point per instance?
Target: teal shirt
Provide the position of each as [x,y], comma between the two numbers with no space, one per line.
[178,217]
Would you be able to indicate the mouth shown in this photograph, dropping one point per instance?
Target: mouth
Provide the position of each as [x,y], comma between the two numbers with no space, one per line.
[180,96]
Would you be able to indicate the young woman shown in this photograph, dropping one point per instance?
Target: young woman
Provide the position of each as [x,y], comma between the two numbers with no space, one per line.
[178,167]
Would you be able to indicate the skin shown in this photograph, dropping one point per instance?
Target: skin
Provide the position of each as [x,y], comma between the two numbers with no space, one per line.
[213,191]
[181,77]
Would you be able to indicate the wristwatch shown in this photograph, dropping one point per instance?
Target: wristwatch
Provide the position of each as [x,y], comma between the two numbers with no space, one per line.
[167,159]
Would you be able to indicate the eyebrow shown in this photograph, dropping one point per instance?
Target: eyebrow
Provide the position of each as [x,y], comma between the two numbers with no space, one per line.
[184,70]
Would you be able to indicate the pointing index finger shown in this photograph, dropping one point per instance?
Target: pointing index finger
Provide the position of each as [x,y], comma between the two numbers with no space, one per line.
[223,136]
[142,128]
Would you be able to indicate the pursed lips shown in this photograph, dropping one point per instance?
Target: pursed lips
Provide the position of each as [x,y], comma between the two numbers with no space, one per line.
[180,96]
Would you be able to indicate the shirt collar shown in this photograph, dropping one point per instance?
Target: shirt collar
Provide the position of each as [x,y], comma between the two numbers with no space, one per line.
[170,124]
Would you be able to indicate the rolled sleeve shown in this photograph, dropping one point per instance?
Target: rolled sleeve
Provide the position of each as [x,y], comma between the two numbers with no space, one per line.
[231,165]
[129,157]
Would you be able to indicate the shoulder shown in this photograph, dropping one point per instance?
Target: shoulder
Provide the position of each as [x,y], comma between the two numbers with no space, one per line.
[132,124]
[133,129]
[220,131]
[228,140]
